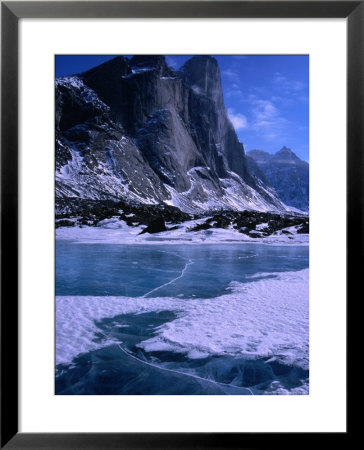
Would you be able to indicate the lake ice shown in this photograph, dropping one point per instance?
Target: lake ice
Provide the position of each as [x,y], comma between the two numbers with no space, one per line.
[181,319]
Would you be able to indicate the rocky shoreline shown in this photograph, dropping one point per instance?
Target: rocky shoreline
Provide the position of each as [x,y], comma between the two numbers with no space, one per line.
[162,217]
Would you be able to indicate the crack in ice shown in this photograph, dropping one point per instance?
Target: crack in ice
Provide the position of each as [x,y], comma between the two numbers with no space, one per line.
[247,256]
[155,366]
[190,261]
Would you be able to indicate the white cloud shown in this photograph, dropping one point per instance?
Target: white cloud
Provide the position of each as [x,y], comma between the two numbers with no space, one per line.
[288,86]
[231,74]
[267,120]
[265,110]
[238,120]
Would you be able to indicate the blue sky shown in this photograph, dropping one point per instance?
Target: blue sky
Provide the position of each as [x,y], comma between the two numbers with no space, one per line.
[267,96]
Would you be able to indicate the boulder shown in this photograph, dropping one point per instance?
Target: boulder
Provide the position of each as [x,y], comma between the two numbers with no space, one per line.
[156,226]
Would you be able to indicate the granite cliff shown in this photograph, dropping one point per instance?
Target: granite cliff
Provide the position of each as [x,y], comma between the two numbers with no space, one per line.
[138,131]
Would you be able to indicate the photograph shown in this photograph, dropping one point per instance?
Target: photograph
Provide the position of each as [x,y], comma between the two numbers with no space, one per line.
[181,224]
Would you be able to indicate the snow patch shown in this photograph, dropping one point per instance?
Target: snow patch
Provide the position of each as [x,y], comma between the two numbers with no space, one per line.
[264,318]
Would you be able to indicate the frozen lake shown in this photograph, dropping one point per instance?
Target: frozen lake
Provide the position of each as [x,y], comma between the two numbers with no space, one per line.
[187,271]
[181,319]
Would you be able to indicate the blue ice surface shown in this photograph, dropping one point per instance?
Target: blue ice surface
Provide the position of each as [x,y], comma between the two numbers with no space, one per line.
[187,271]
[123,368]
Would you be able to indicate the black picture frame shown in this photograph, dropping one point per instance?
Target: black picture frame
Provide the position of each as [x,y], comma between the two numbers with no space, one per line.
[11,12]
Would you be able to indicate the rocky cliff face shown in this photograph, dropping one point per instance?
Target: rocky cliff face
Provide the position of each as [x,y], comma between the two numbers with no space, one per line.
[287,174]
[136,130]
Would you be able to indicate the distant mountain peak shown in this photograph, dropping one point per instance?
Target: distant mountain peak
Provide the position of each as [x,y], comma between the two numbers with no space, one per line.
[259,155]
[286,153]
[286,173]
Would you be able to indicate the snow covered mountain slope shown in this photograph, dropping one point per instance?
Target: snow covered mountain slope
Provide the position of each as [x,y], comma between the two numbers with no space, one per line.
[138,131]
[286,173]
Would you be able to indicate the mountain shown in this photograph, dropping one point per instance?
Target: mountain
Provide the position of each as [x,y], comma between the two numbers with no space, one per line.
[138,131]
[285,172]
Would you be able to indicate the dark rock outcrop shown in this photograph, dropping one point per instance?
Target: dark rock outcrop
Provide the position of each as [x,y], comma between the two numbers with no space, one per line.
[91,212]
[156,226]
[256,224]
[159,218]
